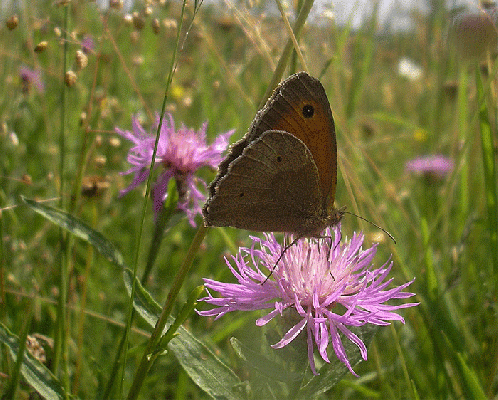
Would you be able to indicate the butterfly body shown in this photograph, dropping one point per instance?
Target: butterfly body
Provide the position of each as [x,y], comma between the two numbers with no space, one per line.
[281,176]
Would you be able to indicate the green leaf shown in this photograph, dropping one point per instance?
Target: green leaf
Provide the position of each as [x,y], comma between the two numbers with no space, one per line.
[270,369]
[79,229]
[489,163]
[467,379]
[331,374]
[143,303]
[472,384]
[205,368]
[200,363]
[37,375]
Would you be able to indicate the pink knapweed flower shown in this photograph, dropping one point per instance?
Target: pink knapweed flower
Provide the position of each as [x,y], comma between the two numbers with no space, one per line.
[434,166]
[330,285]
[180,153]
[31,77]
[87,44]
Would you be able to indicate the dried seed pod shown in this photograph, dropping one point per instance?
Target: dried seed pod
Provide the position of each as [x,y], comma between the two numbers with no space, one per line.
[116,4]
[12,22]
[138,21]
[156,26]
[41,46]
[70,78]
[81,59]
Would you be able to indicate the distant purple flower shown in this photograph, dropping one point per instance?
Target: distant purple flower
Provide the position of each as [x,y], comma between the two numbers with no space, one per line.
[329,286]
[29,77]
[475,34]
[87,44]
[434,166]
[180,153]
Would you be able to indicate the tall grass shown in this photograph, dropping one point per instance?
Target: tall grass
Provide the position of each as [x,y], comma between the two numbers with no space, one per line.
[59,147]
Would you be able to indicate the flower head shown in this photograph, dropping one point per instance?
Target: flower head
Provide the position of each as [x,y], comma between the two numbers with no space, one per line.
[475,34]
[180,153]
[87,44]
[29,77]
[437,166]
[329,285]
[408,69]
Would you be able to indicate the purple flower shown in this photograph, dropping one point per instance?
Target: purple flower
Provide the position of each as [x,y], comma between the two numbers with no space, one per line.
[87,44]
[475,34]
[180,153]
[328,285]
[29,77]
[433,166]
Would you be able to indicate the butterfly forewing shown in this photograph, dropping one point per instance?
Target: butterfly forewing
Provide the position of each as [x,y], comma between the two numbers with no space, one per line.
[281,176]
[277,165]
[300,106]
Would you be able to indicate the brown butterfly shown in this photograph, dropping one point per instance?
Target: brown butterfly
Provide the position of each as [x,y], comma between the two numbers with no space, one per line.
[282,175]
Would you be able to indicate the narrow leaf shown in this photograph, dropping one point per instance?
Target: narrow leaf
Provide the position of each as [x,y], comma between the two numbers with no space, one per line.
[489,162]
[35,373]
[79,229]
[205,368]
[269,369]
[200,363]
[143,303]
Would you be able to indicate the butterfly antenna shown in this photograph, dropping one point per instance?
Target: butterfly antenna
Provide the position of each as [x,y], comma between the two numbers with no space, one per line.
[371,223]
[280,257]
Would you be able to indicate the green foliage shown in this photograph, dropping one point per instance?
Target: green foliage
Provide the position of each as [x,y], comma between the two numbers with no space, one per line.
[35,373]
[445,227]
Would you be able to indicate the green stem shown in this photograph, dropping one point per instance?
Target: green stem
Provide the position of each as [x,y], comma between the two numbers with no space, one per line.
[284,58]
[129,319]
[61,337]
[149,355]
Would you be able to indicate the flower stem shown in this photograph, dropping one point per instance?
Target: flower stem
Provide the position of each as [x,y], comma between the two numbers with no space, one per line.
[149,355]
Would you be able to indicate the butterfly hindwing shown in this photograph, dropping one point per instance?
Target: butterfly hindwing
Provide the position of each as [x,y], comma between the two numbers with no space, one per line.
[275,166]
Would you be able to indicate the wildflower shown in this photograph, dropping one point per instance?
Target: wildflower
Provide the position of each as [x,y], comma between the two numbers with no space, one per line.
[29,77]
[436,166]
[329,286]
[408,69]
[180,153]
[87,44]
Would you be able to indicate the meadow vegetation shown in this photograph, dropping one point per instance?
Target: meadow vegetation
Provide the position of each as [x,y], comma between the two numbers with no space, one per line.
[67,290]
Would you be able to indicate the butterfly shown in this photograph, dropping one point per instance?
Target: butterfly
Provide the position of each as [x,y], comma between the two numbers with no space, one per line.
[282,175]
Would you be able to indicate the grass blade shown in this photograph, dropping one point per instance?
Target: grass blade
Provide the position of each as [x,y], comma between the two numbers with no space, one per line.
[37,375]
[78,229]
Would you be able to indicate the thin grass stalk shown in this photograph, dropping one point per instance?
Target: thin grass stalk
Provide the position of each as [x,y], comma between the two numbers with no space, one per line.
[2,269]
[297,50]
[284,58]
[489,164]
[463,107]
[489,168]
[61,347]
[359,78]
[85,147]
[82,315]
[129,321]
